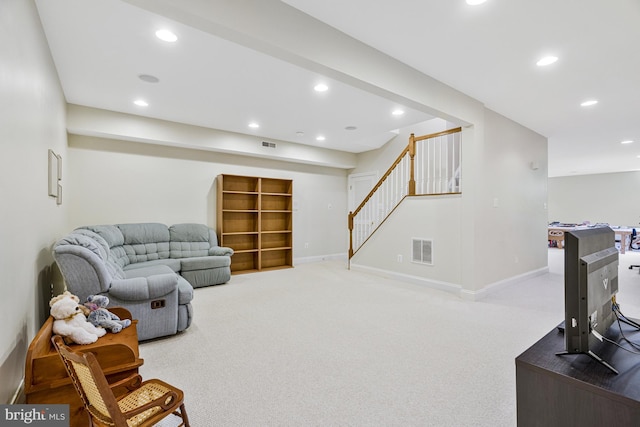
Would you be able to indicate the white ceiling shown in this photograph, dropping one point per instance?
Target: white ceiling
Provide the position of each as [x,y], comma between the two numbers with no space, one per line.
[100,47]
[487,51]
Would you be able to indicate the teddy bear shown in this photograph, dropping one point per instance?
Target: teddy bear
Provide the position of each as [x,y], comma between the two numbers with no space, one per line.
[70,321]
[65,294]
[100,316]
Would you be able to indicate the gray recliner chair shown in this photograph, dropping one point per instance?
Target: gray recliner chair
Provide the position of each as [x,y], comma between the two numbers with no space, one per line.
[142,267]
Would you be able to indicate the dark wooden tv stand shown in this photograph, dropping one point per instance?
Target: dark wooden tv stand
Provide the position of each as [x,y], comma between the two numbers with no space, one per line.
[575,390]
[46,380]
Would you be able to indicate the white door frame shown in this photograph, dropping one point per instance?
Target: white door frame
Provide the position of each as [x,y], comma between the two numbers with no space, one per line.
[371,177]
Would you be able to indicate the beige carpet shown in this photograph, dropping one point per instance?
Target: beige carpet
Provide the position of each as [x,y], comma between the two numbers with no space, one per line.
[318,345]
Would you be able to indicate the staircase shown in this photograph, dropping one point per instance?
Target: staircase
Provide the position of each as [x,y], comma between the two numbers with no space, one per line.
[429,165]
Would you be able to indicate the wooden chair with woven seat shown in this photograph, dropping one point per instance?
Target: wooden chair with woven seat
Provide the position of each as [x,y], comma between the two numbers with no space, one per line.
[144,404]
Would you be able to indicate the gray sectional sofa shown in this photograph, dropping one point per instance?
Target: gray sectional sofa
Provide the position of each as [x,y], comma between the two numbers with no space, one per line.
[148,268]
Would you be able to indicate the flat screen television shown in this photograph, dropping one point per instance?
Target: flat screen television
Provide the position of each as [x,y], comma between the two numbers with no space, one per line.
[590,283]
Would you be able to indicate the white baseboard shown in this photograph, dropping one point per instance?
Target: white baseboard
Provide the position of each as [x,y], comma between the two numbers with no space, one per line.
[501,284]
[434,284]
[18,397]
[319,258]
[452,287]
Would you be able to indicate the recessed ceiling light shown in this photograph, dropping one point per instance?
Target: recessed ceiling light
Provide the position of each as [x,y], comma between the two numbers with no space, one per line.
[589,103]
[627,141]
[141,103]
[254,125]
[351,128]
[398,112]
[547,60]
[475,2]
[148,78]
[299,133]
[166,35]
[321,87]
[320,138]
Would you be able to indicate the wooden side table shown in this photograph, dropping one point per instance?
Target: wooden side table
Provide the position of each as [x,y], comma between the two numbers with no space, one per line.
[46,380]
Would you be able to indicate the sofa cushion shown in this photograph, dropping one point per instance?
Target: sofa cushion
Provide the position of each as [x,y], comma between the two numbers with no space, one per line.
[149,232]
[189,232]
[207,277]
[204,263]
[174,264]
[114,239]
[145,283]
[119,256]
[142,252]
[144,242]
[114,268]
[188,249]
[185,290]
[189,240]
[110,233]
[89,236]
[148,271]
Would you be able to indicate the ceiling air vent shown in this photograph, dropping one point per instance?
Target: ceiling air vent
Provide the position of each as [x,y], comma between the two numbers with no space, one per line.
[269,144]
[422,251]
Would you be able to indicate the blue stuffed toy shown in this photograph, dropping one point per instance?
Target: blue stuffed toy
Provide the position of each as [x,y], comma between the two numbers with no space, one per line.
[100,316]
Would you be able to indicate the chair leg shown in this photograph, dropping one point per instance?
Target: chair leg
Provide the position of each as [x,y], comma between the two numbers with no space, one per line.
[183,415]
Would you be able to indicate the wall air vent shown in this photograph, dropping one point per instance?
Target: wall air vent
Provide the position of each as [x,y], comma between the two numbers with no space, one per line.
[422,251]
[268,144]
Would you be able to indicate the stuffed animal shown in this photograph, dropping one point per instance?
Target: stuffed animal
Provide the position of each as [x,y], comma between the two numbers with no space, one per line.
[65,294]
[100,316]
[70,322]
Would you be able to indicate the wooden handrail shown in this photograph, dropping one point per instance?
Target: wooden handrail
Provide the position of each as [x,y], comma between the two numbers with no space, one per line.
[411,185]
[437,134]
[381,180]
[406,150]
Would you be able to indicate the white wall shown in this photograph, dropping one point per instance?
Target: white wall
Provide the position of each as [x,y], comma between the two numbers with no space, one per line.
[379,160]
[113,181]
[435,218]
[32,119]
[494,232]
[609,198]
[512,218]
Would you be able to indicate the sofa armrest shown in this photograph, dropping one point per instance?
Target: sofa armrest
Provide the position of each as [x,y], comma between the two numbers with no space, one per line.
[220,251]
[143,288]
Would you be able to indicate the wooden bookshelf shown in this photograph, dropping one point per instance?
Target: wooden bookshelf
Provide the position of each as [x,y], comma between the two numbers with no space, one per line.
[254,218]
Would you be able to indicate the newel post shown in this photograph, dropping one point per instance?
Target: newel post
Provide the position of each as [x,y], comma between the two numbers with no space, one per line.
[412,154]
[350,234]
[350,238]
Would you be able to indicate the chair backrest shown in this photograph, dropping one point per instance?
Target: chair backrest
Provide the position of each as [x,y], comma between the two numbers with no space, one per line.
[91,384]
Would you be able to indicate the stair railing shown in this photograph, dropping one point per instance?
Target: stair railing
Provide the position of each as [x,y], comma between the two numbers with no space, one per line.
[430,164]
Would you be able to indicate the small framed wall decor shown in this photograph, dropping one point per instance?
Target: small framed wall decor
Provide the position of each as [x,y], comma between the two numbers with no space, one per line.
[55,176]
